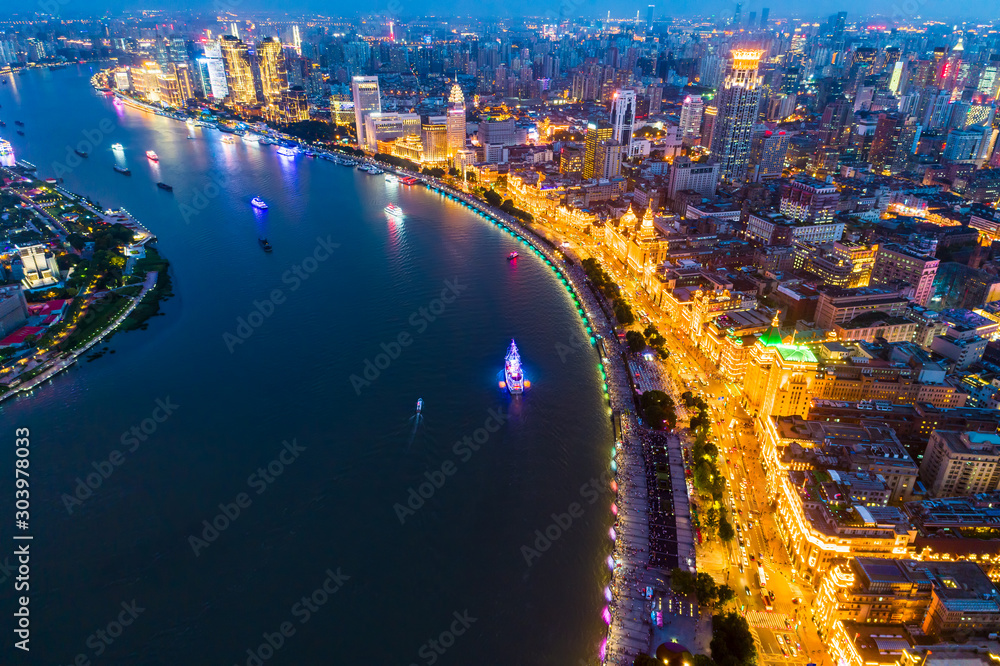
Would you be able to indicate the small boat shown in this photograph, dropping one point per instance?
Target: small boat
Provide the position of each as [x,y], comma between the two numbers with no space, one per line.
[117,146]
[512,372]
[420,404]
[3,124]
[257,202]
[286,151]
[512,256]
[251,138]
[123,170]
[228,138]
[391,178]
[19,123]
[264,244]
[393,210]
[81,153]
[164,186]
[152,156]
[20,132]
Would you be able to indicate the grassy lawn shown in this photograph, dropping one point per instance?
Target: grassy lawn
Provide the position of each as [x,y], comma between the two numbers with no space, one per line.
[100,315]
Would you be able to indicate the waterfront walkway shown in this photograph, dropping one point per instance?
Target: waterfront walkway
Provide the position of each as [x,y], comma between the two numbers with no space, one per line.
[71,358]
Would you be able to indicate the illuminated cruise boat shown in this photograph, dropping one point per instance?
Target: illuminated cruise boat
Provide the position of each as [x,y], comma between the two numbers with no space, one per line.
[152,156]
[5,149]
[251,138]
[393,210]
[117,146]
[513,374]
[257,202]
[228,138]
[286,151]
[512,256]
[420,404]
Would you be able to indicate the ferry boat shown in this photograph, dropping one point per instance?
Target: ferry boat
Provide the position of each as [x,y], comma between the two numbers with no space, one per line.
[19,123]
[117,146]
[512,256]
[152,156]
[81,153]
[20,132]
[409,180]
[513,374]
[164,186]
[264,244]
[286,151]
[123,170]
[5,149]
[420,404]
[257,202]
[393,210]
[391,178]
[251,138]
[228,138]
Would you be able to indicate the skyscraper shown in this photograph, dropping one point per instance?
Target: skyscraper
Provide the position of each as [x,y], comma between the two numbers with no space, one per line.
[597,132]
[690,124]
[456,121]
[213,71]
[239,75]
[738,103]
[623,117]
[367,99]
[649,17]
[296,39]
[763,18]
[272,74]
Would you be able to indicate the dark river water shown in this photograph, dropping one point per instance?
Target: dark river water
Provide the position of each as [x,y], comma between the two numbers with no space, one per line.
[247,485]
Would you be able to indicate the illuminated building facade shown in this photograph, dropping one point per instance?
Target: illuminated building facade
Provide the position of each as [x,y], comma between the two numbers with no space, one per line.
[738,102]
[623,118]
[367,100]
[239,73]
[597,133]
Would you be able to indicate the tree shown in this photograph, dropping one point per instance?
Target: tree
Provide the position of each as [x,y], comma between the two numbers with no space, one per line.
[493,199]
[645,660]
[705,588]
[681,581]
[636,342]
[702,660]
[726,594]
[623,313]
[732,643]
[726,532]
[712,518]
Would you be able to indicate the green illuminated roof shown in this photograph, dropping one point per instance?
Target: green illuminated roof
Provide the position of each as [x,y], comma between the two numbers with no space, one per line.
[796,353]
[771,337]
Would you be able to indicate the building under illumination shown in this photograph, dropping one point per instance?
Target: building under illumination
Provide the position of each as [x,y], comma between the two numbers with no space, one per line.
[239,72]
[738,103]
[367,100]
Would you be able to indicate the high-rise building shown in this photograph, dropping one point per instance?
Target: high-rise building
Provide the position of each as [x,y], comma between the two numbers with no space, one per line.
[961,463]
[688,175]
[767,155]
[623,117]
[763,18]
[239,74]
[690,123]
[296,39]
[367,100]
[738,104]
[272,74]
[708,118]
[649,17]
[434,137]
[894,263]
[456,121]
[212,69]
[809,200]
[597,133]
[608,160]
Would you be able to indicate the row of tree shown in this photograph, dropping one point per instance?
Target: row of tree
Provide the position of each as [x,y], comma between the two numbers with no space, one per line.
[732,645]
[707,477]
[658,410]
[702,586]
[507,206]
[610,290]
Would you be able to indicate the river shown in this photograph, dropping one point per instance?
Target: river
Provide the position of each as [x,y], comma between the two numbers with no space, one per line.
[240,468]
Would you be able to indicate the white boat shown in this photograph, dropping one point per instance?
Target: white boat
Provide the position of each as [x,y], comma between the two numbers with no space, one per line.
[391,178]
[512,371]
[251,138]
[117,146]
[5,148]
[228,138]
[393,210]
[420,404]
[286,151]
[258,203]
[152,155]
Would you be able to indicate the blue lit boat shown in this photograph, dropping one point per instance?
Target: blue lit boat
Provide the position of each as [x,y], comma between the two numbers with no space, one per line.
[286,151]
[420,404]
[257,202]
[512,372]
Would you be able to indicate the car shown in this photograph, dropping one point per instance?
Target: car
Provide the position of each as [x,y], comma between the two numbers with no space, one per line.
[751,557]
[746,588]
[796,600]
[781,641]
